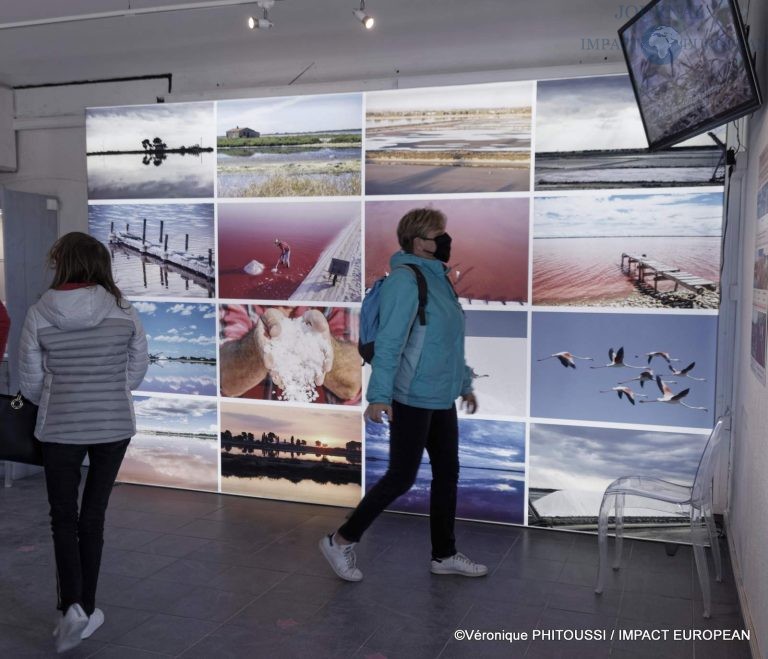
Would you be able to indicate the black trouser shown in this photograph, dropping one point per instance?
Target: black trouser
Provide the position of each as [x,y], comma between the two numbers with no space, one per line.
[78,539]
[411,430]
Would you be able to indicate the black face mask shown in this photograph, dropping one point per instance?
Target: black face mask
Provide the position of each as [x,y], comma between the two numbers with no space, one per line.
[442,247]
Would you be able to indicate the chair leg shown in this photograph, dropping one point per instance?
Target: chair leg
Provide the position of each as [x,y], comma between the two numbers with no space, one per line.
[619,516]
[700,557]
[714,543]
[602,541]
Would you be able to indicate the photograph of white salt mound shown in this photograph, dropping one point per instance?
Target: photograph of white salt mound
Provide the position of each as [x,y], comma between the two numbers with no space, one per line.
[254,267]
[298,353]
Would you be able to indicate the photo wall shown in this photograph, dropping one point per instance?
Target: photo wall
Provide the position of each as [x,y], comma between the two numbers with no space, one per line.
[245,233]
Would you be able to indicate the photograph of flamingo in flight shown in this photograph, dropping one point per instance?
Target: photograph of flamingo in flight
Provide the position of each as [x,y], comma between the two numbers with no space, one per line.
[629,337]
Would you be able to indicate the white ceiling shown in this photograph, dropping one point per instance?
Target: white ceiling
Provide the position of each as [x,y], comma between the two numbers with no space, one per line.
[213,47]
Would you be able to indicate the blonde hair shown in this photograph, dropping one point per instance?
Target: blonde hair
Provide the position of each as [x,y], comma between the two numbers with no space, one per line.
[416,223]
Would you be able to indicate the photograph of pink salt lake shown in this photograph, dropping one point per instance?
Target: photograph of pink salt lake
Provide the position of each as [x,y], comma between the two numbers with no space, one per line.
[316,232]
[492,270]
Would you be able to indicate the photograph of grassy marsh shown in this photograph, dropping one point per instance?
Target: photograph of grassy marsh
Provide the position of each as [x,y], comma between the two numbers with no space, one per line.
[475,138]
[589,135]
[306,146]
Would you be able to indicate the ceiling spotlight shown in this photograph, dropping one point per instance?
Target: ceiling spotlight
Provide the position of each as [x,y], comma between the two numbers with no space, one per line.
[364,18]
[262,23]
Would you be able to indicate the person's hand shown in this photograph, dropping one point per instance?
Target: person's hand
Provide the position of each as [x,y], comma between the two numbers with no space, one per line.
[374,411]
[318,322]
[269,328]
[469,403]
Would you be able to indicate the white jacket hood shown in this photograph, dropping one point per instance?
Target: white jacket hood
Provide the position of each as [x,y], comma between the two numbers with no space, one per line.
[80,308]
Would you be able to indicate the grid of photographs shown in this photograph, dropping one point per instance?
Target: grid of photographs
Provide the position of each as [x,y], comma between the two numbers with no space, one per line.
[247,231]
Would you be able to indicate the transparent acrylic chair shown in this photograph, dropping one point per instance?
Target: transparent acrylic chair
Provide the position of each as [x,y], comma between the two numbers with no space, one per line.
[694,502]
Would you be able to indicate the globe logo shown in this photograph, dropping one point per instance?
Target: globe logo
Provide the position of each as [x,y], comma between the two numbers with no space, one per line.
[661,44]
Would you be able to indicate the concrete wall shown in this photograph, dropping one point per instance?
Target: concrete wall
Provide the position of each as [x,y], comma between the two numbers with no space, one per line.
[747,519]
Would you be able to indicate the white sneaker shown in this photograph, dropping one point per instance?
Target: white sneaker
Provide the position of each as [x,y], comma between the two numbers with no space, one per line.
[341,558]
[458,564]
[71,625]
[94,622]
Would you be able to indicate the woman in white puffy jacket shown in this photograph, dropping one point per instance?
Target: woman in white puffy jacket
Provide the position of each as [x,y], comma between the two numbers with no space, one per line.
[82,351]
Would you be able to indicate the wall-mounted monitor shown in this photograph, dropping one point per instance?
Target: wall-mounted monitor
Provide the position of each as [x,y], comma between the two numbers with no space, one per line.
[690,67]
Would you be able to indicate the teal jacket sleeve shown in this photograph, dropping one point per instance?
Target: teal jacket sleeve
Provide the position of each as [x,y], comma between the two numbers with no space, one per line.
[398,306]
[466,383]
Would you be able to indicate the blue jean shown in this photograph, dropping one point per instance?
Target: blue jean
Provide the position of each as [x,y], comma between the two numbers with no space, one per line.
[411,430]
[78,537]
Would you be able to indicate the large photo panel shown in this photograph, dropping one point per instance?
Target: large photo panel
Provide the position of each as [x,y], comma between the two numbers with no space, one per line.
[589,135]
[491,479]
[158,250]
[151,151]
[290,353]
[181,339]
[176,444]
[570,467]
[489,253]
[628,250]
[496,349]
[638,368]
[475,138]
[308,251]
[295,146]
[291,453]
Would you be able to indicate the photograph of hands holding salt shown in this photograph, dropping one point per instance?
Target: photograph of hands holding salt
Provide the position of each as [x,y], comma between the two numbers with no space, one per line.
[298,354]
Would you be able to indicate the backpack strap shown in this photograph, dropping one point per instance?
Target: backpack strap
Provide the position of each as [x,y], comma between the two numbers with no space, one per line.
[421,283]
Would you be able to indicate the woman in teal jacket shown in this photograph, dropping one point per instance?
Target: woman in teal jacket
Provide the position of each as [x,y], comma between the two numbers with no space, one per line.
[418,373]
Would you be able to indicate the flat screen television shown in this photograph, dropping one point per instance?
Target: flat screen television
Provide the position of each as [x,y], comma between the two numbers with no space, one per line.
[690,67]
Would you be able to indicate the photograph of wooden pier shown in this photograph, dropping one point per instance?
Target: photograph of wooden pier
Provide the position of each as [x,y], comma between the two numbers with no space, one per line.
[628,250]
[491,479]
[151,151]
[570,467]
[176,444]
[589,134]
[662,365]
[292,454]
[473,138]
[162,250]
[290,250]
[491,270]
[182,347]
[299,146]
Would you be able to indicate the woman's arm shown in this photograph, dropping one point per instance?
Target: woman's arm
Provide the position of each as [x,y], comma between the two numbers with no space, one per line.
[398,306]
[138,353]
[31,371]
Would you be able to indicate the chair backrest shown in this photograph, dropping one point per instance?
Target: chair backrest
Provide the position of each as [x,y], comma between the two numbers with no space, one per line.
[702,483]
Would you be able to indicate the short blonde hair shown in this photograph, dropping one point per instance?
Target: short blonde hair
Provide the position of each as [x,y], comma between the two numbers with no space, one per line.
[416,223]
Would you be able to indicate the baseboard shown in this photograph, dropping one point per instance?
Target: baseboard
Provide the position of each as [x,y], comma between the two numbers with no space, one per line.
[743,602]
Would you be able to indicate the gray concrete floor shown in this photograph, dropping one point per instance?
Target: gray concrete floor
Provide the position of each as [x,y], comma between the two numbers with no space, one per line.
[189,574]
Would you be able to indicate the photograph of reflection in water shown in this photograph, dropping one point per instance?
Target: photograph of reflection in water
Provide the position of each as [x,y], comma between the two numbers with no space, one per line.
[492,476]
[158,250]
[290,453]
[589,135]
[298,146]
[151,151]
[175,444]
[570,467]
[182,347]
